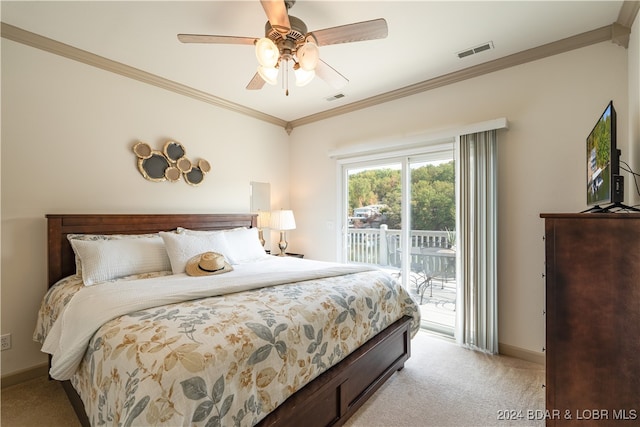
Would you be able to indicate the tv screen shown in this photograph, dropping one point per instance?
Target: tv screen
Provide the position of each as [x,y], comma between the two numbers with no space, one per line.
[602,158]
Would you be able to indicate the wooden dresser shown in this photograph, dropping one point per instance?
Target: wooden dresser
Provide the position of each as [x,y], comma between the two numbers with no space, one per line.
[592,319]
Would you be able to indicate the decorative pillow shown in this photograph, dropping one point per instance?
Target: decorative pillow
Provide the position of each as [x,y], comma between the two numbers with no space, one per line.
[245,245]
[72,237]
[104,260]
[181,247]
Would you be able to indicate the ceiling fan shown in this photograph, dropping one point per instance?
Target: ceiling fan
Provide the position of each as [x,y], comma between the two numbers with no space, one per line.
[286,39]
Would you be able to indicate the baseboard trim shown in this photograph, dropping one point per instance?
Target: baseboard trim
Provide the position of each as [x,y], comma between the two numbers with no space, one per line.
[521,353]
[24,375]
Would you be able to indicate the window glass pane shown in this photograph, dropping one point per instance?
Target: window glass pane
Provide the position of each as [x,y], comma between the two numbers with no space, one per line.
[432,241]
[373,209]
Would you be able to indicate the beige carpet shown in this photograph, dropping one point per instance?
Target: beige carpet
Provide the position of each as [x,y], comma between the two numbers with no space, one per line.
[441,385]
[38,402]
[446,385]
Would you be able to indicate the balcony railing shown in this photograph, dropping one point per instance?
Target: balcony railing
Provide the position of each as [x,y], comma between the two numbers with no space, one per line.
[381,246]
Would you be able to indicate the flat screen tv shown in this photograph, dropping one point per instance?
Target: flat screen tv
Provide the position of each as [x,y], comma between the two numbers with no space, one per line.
[603,162]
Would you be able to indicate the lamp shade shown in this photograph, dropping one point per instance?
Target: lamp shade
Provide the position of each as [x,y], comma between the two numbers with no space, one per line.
[303,77]
[267,52]
[282,220]
[269,75]
[264,219]
[308,56]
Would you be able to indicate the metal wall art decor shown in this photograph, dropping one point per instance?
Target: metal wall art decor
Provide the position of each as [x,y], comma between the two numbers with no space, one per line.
[169,164]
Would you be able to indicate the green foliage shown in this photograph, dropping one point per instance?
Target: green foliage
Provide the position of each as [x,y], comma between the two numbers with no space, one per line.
[370,187]
[432,195]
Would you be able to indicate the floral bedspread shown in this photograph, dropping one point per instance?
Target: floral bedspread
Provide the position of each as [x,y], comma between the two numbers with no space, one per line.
[231,359]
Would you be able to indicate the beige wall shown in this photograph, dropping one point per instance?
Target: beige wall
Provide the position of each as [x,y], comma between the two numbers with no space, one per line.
[67,133]
[551,105]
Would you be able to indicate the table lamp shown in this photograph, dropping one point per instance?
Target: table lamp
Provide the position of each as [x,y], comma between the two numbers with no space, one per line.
[282,220]
[263,221]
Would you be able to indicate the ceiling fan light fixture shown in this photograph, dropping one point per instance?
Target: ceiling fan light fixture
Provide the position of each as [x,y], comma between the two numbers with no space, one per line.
[268,74]
[267,52]
[287,39]
[303,77]
[308,56]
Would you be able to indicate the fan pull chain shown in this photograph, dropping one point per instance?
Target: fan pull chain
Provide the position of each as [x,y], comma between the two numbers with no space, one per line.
[286,77]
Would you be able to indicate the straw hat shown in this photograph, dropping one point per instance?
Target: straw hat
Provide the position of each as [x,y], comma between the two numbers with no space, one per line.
[207,264]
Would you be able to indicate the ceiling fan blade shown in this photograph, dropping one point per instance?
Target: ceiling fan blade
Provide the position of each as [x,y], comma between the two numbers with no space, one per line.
[330,75]
[277,15]
[203,38]
[256,83]
[359,31]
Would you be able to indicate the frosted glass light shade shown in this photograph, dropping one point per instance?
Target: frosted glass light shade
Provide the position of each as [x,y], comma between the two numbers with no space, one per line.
[304,77]
[308,56]
[268,74]
[282,220]
[267,52]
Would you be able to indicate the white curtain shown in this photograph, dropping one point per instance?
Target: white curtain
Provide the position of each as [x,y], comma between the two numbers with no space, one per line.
[477,322]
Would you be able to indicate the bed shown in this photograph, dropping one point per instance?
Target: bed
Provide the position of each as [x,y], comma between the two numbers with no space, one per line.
[307,344]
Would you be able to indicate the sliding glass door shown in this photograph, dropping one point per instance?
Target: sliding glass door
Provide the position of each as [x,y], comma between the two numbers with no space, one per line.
[432,241]
[399,213]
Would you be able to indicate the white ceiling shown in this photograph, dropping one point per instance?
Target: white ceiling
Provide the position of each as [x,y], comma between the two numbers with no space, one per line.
[424,38]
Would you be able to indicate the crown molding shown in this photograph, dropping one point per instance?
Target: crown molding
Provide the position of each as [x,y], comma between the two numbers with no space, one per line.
[617,32]
[28,38]
[607,33]
[628,12]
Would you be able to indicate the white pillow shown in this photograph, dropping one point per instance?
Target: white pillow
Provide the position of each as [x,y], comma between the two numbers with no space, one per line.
[196,232]
[181,247]
[72,237]
[244,245]
[104,260]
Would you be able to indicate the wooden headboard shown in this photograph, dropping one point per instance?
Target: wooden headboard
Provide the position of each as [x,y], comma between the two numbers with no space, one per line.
[61,260]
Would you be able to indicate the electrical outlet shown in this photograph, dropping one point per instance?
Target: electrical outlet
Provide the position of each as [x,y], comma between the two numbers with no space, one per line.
[5,342]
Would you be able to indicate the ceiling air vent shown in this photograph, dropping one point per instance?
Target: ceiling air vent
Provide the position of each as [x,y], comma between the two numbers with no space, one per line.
[334,97]
[474,50]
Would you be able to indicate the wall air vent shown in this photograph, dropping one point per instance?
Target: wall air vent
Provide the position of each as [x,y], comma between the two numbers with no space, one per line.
[474,50]
[334,97]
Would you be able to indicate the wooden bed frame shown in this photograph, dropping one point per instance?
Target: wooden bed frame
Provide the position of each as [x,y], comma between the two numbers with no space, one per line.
[330,399]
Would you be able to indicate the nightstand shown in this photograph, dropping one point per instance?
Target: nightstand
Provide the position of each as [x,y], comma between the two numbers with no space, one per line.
[288,254]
